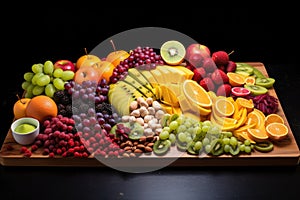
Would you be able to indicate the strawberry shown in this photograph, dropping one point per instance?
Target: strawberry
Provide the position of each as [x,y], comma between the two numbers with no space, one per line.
[220,58]
[199,74]
[219,77]
[209,65]
[207,84]
[224,90]
[222,67]
[231,66]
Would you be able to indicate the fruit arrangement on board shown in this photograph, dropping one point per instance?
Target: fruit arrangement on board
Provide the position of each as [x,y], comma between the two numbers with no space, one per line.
[147,101]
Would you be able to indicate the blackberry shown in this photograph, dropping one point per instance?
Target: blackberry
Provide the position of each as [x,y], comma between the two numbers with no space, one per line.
[58,95]
[63,112]
[66,100]
[69,110]
[104,108]
[60,106]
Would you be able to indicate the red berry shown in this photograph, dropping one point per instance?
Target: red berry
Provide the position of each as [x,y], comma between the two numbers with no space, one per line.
[23,149]
[224,90]
[231,66]
[199,74]
[27,153]
[219,77]
[34,147]
[220,58]
[207,84]
[209,65]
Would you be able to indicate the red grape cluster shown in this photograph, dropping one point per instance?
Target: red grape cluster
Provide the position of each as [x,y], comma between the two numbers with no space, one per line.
[59,137]
[140,57]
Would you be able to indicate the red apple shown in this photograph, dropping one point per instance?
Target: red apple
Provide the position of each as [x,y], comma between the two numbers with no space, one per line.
[195,54]
[65,65]
[86,73]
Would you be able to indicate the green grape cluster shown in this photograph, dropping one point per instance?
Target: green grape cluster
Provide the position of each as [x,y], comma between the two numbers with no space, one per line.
[45,79]
[196,137]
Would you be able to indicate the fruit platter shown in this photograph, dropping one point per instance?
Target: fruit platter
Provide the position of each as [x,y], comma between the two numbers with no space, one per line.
[178,105]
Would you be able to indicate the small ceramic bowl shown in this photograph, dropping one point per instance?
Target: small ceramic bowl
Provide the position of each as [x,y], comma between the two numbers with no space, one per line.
[27,137]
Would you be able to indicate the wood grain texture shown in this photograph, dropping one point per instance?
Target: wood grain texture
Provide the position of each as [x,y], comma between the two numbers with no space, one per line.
[285,153]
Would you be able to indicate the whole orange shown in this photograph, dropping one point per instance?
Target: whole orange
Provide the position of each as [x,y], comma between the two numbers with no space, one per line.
[19,108]
[105,69]
[41,107]
[116,57]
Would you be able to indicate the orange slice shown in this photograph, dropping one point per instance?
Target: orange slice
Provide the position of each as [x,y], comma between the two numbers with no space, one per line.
[224,107]
[258,135]
[262,115]
[254,118]
[273,118]
[250,80]
[196,93]
[236,79]
[245,103]
[277,130]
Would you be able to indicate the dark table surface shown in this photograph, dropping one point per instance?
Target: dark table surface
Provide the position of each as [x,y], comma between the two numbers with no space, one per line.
[268,39]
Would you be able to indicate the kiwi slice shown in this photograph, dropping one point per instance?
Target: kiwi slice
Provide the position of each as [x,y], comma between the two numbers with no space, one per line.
[191,150]
[265,82]
[181,146]
[165,120]
[173,52]
[244,69]
[161,147]
[217,147]
[137,131]
[256,89]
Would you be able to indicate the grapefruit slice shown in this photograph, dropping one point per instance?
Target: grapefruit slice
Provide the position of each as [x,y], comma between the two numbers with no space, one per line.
[196,93]
[240,91]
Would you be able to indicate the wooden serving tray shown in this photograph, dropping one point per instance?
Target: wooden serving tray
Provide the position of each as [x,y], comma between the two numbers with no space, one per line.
[285,153]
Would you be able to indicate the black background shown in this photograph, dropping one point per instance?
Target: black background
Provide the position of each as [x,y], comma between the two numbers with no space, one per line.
[32,35]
